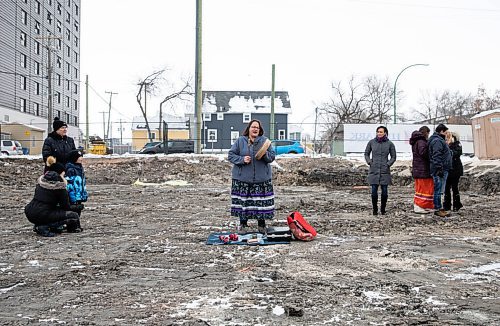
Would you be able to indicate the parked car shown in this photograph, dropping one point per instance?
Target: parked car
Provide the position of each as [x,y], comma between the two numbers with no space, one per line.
[174,146]
[11,147]
[287,147]
[153,143]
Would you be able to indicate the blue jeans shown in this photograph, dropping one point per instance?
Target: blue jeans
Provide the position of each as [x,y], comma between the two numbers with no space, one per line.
[375,190]
[439,184]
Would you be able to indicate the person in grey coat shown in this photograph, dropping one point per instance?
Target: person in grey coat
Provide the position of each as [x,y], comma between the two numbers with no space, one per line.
[440,165]
[383,156]
[252,194]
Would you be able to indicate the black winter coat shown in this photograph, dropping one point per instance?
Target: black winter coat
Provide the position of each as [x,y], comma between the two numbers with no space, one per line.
[420,149]
[458,168]
[50,202]
[439,154]
[57,146]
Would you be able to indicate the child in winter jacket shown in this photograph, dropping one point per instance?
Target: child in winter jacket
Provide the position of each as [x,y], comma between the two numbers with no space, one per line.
[75,176]
[49,209]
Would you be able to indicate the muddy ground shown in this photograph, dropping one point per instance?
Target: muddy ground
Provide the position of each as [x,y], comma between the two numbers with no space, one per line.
[142,258]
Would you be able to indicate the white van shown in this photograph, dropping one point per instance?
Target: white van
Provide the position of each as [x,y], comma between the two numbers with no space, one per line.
[11,147]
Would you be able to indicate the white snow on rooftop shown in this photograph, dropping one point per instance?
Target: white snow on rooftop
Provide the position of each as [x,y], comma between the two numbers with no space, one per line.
[485,113]
[240,104]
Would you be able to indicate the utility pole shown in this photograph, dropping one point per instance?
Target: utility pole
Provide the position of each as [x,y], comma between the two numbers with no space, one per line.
[271,129]
[87,110]
[103,124]
[315,123]
[197,79]
[109,110]
[121,133]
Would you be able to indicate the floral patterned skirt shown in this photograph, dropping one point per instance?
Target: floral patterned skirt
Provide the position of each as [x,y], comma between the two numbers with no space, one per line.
[252,200]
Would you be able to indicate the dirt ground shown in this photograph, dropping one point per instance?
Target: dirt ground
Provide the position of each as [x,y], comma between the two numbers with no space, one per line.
[142,258]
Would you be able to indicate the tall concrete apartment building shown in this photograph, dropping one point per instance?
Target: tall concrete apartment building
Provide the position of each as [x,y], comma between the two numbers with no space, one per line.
[29,29]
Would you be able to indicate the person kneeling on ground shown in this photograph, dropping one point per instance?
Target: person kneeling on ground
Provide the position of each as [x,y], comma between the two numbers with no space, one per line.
[49,209]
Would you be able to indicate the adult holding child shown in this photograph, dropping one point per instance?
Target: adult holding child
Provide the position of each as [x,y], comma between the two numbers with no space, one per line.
[252,194]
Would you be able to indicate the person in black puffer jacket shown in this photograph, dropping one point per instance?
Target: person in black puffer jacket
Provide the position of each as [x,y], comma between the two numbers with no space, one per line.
[49,210]
[454,175]
[57,143]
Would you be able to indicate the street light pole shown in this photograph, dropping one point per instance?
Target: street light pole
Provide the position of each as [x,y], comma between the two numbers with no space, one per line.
[395,82]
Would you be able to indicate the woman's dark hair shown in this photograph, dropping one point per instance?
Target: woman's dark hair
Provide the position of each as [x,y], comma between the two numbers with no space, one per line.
[247,129]
[424,129]
[385,129]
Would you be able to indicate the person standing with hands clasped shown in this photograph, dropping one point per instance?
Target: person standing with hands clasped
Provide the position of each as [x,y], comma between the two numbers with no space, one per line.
[440,165]
[252,194]
[454,175]
[380,148]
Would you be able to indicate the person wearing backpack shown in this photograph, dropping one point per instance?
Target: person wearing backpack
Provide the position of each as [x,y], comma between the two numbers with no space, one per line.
[252,194]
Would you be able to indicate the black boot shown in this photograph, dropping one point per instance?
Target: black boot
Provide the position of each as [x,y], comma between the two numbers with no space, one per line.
[456,202]
[447,201]
[374,204]
[44,231]
[262,226]
[72,222]
[383,204]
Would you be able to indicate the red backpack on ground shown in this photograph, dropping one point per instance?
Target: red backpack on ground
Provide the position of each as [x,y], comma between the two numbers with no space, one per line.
[301,230]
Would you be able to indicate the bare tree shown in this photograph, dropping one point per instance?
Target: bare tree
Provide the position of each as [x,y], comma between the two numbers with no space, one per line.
[366,101]
[183,94]
[484,102]
[147,86]
[445,107]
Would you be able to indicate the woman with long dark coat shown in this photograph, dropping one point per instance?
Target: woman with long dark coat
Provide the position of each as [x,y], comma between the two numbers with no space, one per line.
[383,156]
[454,175]
[424,185]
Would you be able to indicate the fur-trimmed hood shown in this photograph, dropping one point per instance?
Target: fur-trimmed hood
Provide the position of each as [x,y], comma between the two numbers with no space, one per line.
[51,181]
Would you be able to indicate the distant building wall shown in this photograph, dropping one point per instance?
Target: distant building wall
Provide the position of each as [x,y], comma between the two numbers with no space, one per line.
[486,131]
[356,136]
[29,137]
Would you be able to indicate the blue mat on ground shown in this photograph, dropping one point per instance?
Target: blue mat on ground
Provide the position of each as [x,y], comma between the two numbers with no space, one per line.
[249,239]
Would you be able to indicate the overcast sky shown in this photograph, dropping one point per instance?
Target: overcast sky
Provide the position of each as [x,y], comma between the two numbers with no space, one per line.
[312,43]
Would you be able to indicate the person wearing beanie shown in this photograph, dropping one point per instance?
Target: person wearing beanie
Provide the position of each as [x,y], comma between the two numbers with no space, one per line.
[75,176]
[440,165]
[49,210]
[57,143]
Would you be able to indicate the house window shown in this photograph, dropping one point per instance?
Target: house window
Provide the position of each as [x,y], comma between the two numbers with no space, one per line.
[68,17]
[220,116]
[24,17]
[67,117]
[75,88]
[207,117]
[77,10]
[23,60]
[59,26]
[75,105]
[152,135]
[37,68]
[37,27]
[23,105]
[37,7]
[77,27]
[59,62]
[58,44]
[67,102]
[75,55]
[76,72]
[59,80]
[68,34]
[37,88]
[281,134]
[24,39]
[59,8]
[36,108]
[68,70]
[58,97]
[37,47]
[68,51]
[76,121]
[23,82]
[212,135]
[49,17]
[68,85]
[247,117]
[234,136]
[295,135]
[76,41]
